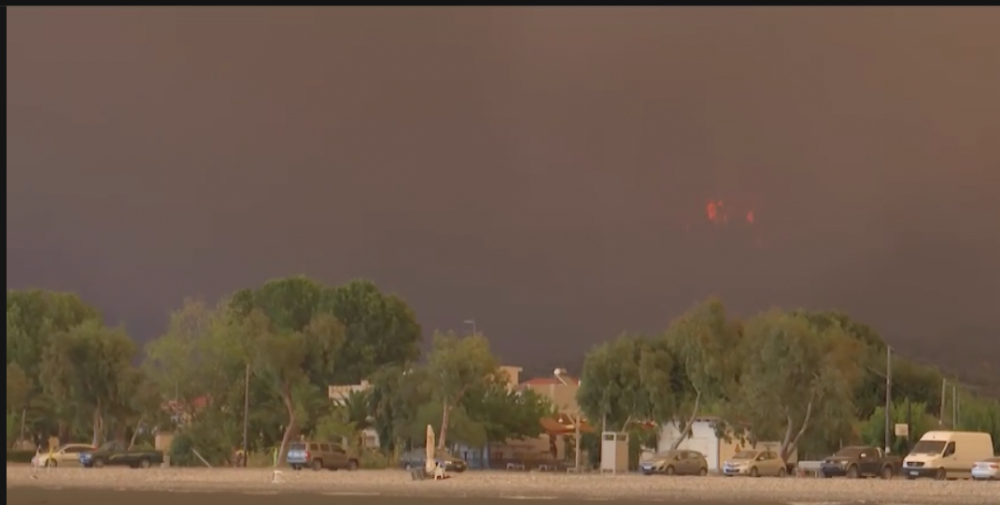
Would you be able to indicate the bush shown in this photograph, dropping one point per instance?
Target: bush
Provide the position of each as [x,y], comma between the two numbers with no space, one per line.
[373,460]
[16,456]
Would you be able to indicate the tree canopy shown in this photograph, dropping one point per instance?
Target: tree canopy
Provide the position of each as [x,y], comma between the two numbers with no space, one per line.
[270,354]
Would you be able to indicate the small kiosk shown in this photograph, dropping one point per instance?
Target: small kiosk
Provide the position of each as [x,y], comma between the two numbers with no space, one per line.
[614,452]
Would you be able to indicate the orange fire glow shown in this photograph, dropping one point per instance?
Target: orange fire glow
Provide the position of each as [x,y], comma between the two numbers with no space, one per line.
[715,211]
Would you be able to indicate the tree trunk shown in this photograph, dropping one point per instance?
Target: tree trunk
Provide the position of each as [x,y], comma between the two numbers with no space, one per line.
[690,423]
[135,433]
[96,441]
[789,444]
[286,397]
[443,432]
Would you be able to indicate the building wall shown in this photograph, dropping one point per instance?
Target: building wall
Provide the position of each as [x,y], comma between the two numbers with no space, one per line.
[562,396]
[513,374]
[702,439]
[705,440]
[339,393]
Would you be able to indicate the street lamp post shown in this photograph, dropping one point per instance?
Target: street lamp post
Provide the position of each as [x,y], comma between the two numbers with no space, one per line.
[888,398]
[473,323]
[559,372]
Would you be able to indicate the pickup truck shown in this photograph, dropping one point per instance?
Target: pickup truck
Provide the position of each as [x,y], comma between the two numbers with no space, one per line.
[116,453]
[859,461]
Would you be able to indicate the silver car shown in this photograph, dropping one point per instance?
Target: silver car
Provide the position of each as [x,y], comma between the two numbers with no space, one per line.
[987,469]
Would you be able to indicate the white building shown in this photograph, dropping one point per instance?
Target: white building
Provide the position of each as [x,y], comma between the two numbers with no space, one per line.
[705,440]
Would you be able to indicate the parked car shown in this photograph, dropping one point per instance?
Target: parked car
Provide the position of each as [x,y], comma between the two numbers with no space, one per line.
[676,462]
[118,454]
[320,455]
[987,469]
[415,459]
[755,463]
[66,453]
[859,461]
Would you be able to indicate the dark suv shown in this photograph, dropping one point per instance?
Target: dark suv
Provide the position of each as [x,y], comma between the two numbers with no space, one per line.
[320,455]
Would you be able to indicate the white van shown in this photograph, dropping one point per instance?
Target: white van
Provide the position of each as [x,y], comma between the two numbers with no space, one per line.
[947,454]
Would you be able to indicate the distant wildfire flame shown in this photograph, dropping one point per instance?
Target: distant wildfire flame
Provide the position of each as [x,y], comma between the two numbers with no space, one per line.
[715,210]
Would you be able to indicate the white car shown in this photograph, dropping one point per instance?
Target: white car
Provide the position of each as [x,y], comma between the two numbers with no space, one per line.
[68,453]
[987,469]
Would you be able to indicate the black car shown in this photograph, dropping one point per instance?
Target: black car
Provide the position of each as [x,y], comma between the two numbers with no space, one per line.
[118,454]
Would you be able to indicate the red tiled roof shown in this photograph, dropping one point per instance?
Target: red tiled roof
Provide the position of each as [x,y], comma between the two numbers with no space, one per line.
[196,404]
[552,426]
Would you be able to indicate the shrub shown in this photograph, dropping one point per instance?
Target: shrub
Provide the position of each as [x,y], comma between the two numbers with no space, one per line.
[374,460]
[17,456]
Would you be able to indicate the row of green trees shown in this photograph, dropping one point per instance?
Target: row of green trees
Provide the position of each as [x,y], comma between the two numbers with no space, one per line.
[809,380]
[269,353]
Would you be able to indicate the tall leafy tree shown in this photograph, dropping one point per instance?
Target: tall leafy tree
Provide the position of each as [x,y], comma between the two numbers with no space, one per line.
[705,341]
[294,341]
[793,378]
[506,413]
[455,367]
[33,318]
[380,330]
[89,367]
[611,387]
[397,393]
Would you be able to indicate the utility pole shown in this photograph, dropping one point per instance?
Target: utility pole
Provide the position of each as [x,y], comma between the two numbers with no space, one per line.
[954,406]
[909,424]
[888,399]
[958,410]
[246,411]
[944,396]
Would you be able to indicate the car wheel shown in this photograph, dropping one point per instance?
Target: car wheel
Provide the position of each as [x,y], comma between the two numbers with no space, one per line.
[98,463]
[51,463]
[754,472]
[941,474]
[887,473]
[408,467]
[852,472]
[703,472]
[670,470]
[352,465]
[317,464]
[145,463]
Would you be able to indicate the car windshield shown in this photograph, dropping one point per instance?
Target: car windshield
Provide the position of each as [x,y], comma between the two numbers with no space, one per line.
[664,455]
[298,446]
[746,455]
[928,447]
[109,447]
[849,452]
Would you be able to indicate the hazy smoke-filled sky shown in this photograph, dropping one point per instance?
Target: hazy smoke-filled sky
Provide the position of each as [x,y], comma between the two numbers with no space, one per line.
[545,171]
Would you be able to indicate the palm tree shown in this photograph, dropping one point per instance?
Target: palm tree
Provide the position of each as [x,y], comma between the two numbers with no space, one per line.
[357,413]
